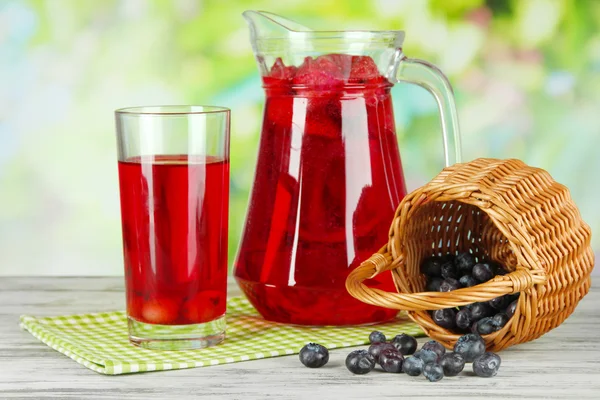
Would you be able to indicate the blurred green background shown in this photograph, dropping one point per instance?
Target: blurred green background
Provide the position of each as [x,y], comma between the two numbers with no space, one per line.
[526,74]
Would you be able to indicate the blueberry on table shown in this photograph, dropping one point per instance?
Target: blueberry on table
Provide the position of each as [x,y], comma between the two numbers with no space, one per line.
[499,320]
[427,355]
[432,266]
[467,281]
[480,310]
[449,285]
[377,348]
[510,310]
[470,346]
[405,344]
[377,337]
[449,270]
[434,284]
[485,326]
[452,363]
[446,318]
[464,263]
[464,319]
[314,355]
[482,272]
[360,362]
[413,366]
[433,372]
[436,346]
[486,365]
[391,361]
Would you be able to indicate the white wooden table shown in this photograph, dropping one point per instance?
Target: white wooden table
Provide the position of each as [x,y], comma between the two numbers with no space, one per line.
[564,363]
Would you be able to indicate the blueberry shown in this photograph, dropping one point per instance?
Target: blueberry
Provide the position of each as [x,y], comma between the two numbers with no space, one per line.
[464,319]
[484,326]
[405,344]
[433,372]
[486,365]
[391,361]
[510,310]
[360,362]
[464,263]
[376,337]
[436,346]
[453,364]
[314,355]
[377,348]
[482,272]
[432,266]
[499,320]
[413,366]
[480,310]
[499,303]
[449,270]
[467,281]
[427,355]
[446,318]
[449,285]
[496,267]
[470,346]
[434,284]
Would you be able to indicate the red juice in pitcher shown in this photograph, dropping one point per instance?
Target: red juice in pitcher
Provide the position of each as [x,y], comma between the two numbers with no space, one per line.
[174,211]
[328,181]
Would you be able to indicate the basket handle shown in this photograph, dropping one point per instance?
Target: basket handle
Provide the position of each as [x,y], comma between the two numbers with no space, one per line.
[517,281]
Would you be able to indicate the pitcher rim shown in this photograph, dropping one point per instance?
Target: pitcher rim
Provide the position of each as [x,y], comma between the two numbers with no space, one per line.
[327,34]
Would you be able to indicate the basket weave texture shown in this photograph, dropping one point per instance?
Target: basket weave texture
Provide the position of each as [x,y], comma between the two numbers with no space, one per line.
[501,210]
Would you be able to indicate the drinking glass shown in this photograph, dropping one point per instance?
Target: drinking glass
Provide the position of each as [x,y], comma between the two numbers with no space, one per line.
[174,189]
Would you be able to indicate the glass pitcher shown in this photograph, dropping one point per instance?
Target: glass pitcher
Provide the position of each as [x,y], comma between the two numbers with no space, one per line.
[328,176]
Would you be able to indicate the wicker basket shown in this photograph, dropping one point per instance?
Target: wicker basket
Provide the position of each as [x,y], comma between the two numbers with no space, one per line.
[502,210]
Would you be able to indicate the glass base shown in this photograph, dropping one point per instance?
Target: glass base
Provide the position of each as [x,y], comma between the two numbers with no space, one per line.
[176,337]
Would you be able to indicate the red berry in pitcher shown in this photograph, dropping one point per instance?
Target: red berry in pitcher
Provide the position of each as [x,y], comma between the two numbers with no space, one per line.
[161,310]
[281,71]
[363,69]
[321,72]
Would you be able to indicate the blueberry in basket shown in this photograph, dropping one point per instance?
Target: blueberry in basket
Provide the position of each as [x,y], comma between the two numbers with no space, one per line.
[447,273]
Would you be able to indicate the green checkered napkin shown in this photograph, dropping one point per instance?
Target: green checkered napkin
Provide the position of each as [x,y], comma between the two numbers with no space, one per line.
[99,341]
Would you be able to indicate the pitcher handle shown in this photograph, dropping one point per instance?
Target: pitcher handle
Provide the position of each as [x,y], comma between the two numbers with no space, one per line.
[428,76]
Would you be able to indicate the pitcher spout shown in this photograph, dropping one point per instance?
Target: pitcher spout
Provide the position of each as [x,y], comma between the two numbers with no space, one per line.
[274,37]
[264,24]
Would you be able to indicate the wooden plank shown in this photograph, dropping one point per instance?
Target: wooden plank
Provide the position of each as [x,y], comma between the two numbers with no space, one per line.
[562,364]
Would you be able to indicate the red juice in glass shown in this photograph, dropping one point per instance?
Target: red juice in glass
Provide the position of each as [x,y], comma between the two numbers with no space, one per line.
[328,180]
[174,188]
[175,241]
